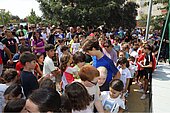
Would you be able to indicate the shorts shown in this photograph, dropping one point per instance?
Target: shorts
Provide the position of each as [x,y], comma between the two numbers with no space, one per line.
[130,81]
[145,73]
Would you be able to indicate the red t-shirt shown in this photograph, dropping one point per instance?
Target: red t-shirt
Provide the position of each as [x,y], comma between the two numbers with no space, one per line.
[140,58]
[19,67]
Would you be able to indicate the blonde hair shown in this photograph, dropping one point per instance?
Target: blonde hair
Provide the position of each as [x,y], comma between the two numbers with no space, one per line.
[102,70]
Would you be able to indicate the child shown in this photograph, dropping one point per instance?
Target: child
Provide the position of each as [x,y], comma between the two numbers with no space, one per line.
[43,100]
[79,61]
[112,100]
[147,60]
[116,45]
[9,78]
[132,69]
[67,70]
[13,92]
[65,104]
[40,60]
[16,106]
[102,78]
[28,80]
[19,67]
[125,73]
[89,78]
[58,48]
[49,70]
[79,98]
[47,83]
[75,45]
[91,47]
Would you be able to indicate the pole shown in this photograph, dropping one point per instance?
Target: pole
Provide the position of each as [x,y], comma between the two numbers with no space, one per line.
[169,29]
[148,19]
[163,33]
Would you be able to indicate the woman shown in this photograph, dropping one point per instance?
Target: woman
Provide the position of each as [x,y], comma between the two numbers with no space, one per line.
[38,43]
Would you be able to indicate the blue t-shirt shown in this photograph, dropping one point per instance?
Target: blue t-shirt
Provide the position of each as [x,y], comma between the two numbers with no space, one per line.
[111,69]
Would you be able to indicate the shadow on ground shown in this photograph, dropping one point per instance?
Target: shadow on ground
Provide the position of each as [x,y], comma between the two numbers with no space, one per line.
[134,103]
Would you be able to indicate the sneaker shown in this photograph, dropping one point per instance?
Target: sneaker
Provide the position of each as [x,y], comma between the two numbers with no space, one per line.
[143,97]
[126,108]
[141,91]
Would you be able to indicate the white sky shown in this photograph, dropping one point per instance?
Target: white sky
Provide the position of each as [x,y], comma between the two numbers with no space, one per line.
[22,8]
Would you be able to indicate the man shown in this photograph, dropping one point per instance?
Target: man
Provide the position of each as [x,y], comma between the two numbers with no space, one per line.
[10,43]
[4,48]
[91,47]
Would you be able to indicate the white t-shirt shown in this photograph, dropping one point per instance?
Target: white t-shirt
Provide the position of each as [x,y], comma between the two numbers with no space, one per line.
[44,36]
[110,104]
[94,91]
[132,69]
[134,54]
[3,87]
[48,31]
[2,46]
[125,73]
[75,47]
[48,67]
[58,51]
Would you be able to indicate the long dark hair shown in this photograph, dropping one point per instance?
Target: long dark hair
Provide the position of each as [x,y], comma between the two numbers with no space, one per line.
[34,36]
[63,61]
[14,106]
[46,99]
[78,96]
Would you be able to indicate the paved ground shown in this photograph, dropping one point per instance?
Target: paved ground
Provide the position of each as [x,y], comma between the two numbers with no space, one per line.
[134,103]
[161,89]
[160,93]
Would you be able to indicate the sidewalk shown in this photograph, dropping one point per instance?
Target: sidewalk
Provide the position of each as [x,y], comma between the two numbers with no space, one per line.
[161,89]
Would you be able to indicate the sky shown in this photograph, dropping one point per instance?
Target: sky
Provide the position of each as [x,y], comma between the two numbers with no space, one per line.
[22,8]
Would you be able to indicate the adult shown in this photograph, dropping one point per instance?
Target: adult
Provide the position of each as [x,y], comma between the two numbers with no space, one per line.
[70,34]
[38,43]
[7,51]
[91,47]
[21,28]
[109,51]
[10,43]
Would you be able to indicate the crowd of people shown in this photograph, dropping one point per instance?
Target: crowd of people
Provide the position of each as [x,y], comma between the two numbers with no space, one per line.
[76,70]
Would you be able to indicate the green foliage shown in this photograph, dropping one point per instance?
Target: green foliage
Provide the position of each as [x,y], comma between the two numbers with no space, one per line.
[129,15]
[157,22]
[88,12]
[33,18]
[5,17]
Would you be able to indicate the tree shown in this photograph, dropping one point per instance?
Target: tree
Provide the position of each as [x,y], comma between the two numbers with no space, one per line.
[5,17]
[86,12]
[129,15]
[33,18]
